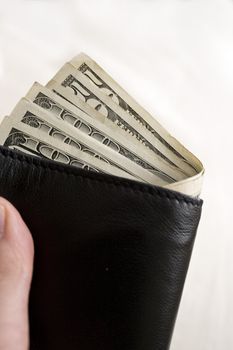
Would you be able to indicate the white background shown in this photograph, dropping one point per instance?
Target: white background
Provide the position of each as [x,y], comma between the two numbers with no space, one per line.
[176,58]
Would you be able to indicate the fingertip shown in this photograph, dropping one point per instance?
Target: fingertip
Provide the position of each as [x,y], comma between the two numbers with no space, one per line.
[16,242]
[16,265]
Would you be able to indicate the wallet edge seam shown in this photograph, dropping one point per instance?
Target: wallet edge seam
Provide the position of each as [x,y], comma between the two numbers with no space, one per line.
[67,170]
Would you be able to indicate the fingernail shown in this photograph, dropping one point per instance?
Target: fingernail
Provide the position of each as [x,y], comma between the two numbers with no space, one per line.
[2,221]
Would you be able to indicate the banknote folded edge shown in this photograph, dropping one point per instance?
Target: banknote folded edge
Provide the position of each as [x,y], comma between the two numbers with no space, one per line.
[192,185]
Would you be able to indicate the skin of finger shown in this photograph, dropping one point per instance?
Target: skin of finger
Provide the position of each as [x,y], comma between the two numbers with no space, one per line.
[16,245]
[16,265]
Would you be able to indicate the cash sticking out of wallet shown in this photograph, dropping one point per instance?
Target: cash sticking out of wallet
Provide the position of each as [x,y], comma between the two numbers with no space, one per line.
[85,119]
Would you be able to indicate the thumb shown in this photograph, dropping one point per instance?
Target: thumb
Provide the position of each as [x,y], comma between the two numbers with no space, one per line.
[16,263]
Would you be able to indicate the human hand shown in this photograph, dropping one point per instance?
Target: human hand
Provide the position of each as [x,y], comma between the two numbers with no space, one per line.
[16,265]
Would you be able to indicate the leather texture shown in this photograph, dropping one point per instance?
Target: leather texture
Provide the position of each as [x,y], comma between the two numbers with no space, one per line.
[111,255]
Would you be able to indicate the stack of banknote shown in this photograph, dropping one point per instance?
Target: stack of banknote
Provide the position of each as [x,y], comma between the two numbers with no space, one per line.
[83,118]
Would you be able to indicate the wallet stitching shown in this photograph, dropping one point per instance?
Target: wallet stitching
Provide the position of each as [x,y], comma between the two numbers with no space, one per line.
[135,186]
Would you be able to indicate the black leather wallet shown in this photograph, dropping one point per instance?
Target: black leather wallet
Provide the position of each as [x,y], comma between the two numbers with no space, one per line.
[111,255]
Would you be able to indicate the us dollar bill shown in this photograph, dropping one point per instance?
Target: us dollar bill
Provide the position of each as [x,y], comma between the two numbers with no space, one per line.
[85,119]
[21,137]
[98,77]
[38,118]
[103,132]
[85,95]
